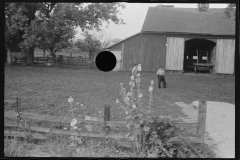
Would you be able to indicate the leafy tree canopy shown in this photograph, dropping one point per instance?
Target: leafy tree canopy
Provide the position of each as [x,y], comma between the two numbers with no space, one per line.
[230,11]
[51,25]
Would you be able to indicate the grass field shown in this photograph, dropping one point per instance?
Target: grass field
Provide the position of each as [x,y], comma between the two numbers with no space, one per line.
[45,90]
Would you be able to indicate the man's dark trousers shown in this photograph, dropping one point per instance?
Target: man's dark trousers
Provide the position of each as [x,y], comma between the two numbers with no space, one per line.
[161,78]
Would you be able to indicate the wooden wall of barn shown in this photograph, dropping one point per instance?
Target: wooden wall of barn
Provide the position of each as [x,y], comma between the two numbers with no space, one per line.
[149,50]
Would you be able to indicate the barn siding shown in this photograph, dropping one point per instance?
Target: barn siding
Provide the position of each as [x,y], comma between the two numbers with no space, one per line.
[225,56]
[153,51]
[175,53]
[149,49]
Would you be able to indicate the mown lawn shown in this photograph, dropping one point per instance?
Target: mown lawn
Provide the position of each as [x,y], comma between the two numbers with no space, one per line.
[46,90]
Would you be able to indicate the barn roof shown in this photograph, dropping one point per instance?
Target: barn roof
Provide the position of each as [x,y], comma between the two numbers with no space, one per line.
[188,20]
[124,39]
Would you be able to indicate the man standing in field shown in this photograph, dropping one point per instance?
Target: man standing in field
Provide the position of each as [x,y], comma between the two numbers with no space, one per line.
[161,78]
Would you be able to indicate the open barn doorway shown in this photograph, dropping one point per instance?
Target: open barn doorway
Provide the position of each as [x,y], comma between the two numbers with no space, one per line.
[192,46]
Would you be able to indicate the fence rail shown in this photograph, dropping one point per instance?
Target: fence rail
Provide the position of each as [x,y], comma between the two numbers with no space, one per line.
[26,117]
[61,61]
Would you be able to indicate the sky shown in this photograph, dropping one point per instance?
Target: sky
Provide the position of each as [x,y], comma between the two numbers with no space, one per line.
[134,15]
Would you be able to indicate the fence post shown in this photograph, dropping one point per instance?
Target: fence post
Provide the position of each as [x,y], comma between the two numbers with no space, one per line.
[201,120]
[60,60]
[18,104]
[107,116]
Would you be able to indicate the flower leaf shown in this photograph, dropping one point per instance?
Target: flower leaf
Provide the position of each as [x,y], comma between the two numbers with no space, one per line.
[128,125]
[137,125]
[131,137]
[127,135]
[141,121]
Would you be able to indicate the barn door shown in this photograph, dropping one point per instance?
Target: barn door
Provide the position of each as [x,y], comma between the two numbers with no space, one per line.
[175,53]
[225,56]
[118,55]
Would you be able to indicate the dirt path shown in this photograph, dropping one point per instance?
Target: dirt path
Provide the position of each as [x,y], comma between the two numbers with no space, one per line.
[220,126]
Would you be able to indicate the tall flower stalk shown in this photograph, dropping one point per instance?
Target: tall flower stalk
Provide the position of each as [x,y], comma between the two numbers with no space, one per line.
[136,115]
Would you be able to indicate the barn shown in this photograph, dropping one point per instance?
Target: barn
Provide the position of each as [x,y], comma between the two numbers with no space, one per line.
[177,38]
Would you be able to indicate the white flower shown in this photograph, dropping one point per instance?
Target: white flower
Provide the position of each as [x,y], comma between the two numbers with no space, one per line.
[81,105]
[74,121]
[140,95]
[138,80]
[117,101]
[134,106]
[70,100]
[126,99]
[138,74]
[132,77]
[128,94]
[150,88]
[152,83]
[126,112]
[133,84]
[74,127]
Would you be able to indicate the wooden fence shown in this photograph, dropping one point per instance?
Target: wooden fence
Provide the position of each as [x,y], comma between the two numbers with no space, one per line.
[23,120]
[61,61]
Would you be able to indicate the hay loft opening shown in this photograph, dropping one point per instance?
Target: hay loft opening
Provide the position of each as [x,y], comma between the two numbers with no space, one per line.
[193,46]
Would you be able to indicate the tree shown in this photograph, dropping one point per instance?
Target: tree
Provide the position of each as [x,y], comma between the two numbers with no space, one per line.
[88,44]
[115,40]
[21,22]
[105,39]
[230,11]
[58,33]
[28,23]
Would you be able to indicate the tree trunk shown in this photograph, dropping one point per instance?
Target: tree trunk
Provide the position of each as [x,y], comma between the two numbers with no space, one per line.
[30,56]
[54,57]
[44,52]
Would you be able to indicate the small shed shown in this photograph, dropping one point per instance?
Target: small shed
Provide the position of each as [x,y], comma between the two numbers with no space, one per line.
[172,37]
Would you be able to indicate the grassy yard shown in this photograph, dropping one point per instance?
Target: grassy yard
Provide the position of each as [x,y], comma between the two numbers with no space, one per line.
[45,90]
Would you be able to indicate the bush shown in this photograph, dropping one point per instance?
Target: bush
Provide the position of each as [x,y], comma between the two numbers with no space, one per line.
[158,142]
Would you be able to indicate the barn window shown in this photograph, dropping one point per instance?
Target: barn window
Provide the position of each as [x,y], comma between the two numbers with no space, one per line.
[204,58]
[194,57]
[187,57]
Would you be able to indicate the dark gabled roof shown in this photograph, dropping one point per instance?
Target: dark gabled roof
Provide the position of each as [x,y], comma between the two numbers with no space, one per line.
[124,39]
[188,20]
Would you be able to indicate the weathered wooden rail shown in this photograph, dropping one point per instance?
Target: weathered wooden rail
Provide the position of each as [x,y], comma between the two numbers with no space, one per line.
[64,61]
[23,120]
